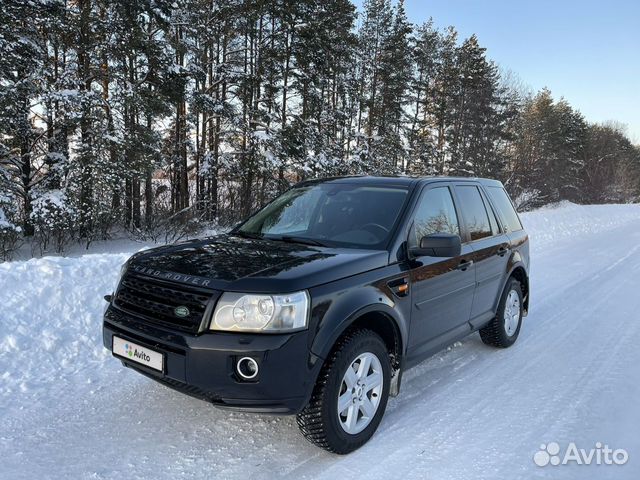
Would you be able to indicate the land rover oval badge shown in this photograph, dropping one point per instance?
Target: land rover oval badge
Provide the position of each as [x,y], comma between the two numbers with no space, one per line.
[181,311]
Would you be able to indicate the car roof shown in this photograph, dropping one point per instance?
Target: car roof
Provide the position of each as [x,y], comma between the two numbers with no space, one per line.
[397,180]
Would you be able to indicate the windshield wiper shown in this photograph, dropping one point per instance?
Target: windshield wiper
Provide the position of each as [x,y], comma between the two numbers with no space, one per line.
[284,238]
[242,234]
[301,240]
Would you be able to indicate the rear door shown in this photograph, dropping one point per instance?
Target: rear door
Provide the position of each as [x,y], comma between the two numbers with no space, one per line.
[490,246]
[442,288]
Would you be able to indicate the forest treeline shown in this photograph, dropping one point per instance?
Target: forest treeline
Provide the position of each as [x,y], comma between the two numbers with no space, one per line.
[154,116]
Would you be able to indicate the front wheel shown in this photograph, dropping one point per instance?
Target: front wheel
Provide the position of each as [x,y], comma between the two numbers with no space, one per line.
[351,394]
[504,329]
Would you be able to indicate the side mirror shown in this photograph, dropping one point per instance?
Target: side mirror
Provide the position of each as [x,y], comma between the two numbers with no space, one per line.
[438,245]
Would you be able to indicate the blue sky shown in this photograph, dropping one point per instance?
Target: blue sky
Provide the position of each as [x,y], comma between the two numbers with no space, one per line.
[586,51]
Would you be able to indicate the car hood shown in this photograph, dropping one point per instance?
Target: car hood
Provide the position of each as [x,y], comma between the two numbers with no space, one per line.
[231,263]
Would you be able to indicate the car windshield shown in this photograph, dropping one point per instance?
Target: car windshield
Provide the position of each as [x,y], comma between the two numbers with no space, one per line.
[336,215]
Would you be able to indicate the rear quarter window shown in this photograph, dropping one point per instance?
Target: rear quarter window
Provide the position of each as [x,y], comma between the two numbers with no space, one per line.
[505,208]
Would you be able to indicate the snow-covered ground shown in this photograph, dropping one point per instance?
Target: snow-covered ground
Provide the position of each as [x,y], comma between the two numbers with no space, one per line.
[69,410]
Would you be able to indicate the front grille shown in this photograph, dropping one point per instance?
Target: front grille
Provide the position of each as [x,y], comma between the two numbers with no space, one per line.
[156,301]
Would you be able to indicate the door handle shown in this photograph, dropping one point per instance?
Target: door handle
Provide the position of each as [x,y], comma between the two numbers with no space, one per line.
[502,251]
[464,264]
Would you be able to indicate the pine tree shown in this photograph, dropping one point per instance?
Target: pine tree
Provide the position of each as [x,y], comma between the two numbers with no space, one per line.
[476,128]
[394,79]
[611,165]
[444,98]
[421,138]
[22,70]
[373,36]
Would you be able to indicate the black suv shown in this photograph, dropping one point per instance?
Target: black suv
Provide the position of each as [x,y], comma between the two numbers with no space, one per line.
[316,304]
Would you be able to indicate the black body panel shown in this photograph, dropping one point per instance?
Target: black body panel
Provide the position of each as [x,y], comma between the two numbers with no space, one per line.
[232,263]
[203,365]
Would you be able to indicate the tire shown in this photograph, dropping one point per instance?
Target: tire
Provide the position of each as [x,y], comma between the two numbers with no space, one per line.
[502,332]
[320,421]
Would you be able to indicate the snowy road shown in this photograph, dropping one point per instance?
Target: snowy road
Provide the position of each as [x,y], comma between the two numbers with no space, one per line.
[68,410]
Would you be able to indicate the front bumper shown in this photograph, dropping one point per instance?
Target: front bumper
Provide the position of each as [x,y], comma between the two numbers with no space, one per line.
[203,365]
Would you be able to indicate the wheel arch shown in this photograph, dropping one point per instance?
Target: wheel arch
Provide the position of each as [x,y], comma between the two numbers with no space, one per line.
[385,326]
[381,319]
[519,272]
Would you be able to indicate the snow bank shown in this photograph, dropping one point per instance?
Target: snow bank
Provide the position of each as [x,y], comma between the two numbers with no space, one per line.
[550,224]
[50,322]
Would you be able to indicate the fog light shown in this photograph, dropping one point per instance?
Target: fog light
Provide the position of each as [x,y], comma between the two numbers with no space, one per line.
[247,368]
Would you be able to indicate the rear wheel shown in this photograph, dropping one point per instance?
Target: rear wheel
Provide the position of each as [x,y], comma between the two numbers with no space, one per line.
[504,329]
[350,396]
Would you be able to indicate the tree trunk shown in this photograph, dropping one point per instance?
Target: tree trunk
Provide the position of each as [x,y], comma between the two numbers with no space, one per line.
[85,157]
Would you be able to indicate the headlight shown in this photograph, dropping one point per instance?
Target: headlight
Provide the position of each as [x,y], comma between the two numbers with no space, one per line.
[243,312]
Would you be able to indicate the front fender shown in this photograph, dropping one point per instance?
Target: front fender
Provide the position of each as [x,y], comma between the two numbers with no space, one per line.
[334,312]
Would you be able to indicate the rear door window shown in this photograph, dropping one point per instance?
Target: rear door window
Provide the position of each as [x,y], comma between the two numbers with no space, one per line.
[474,212]
[505,208]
